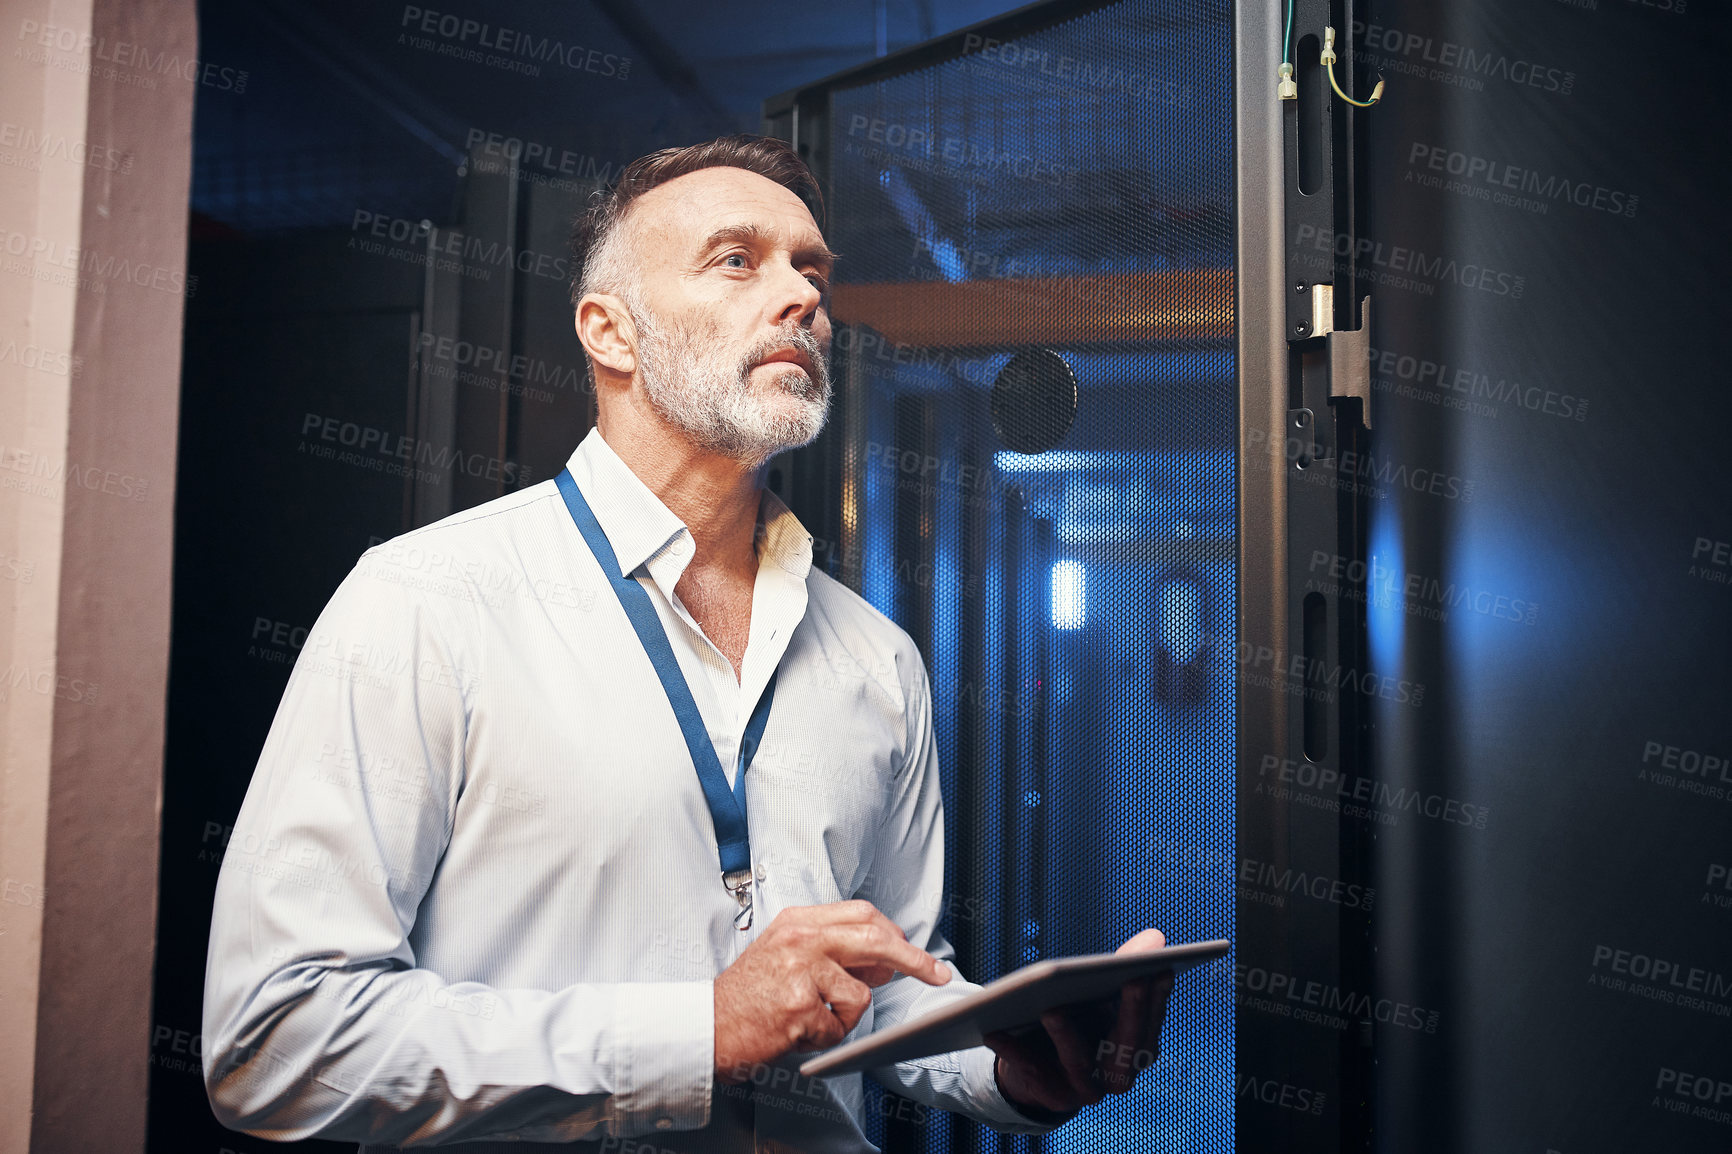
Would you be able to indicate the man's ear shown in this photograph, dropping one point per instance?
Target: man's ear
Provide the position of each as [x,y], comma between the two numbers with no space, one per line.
[608,336]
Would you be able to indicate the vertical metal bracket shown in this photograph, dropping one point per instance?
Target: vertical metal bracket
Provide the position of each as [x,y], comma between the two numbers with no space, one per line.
[1350,362]
[1322,309]
[1326,447]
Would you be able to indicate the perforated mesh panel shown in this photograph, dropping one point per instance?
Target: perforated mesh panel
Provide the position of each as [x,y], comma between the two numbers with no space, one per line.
[1068,190]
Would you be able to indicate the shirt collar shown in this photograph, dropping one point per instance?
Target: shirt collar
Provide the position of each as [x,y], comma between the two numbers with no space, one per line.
[640,527]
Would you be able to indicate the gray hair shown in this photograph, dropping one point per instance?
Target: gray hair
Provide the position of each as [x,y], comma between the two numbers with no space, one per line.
[600,255]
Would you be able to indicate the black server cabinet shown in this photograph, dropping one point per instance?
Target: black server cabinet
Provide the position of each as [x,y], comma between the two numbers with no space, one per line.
[1033,467]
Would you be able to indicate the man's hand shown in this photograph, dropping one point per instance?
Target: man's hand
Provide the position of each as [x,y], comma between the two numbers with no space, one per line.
[806,981]
[1088,1050]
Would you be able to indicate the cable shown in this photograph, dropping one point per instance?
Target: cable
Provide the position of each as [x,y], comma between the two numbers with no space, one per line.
[1328,61]
[1285,89]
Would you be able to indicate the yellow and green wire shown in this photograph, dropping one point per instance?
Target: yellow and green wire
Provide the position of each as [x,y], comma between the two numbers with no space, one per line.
[1327,60]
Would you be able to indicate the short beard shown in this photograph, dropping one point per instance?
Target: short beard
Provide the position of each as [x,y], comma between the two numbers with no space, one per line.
[699,386]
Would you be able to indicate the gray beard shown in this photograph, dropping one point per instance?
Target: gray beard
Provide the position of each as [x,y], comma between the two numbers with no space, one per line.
[696,384]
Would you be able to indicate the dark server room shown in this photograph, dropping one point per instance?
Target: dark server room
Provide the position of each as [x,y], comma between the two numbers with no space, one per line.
[645,576]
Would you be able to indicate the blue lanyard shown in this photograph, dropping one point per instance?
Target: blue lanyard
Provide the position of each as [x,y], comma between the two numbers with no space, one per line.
[727,808]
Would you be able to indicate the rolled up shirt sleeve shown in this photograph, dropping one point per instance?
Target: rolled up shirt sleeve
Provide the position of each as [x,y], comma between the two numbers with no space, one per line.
[907,884]
[317,1020]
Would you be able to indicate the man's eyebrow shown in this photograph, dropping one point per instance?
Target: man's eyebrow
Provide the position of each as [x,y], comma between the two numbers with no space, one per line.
[820,256]
[751,234]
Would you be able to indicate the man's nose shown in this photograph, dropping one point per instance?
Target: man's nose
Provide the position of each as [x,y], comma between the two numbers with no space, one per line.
[801,303]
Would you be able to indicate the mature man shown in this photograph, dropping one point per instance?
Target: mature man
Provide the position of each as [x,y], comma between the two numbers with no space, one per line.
[587,810]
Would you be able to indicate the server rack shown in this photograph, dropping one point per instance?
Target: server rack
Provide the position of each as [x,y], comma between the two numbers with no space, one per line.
[1032,466]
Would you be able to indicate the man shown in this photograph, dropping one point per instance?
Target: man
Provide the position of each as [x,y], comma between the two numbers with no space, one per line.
[480,890]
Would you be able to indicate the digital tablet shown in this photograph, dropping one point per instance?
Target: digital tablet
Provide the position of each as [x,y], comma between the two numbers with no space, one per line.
[1014,1000]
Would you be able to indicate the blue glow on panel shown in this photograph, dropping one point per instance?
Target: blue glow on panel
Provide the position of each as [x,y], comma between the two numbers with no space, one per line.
[918,219]
[1067,594]
[1060,461]
[1181,608]
[1385,622]
[1167,369]
[1135,796]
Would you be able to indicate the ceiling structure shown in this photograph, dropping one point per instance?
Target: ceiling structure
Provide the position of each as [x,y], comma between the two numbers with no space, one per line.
[374,106]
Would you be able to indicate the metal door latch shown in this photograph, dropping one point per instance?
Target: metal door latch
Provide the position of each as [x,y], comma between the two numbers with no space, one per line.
[1349,349]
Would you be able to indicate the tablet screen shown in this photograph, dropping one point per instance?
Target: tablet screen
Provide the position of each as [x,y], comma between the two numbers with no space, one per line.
[1015,1000]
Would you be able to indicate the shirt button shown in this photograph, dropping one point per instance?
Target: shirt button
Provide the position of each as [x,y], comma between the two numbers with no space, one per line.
[760,873]
[664,1123]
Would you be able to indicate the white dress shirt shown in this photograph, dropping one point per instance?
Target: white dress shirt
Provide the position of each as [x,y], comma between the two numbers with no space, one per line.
[473,893]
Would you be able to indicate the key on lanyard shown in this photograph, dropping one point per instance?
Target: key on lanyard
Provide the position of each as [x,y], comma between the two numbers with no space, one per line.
[739,883]
[727,806]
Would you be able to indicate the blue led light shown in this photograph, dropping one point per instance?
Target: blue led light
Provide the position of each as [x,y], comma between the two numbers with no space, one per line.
[1067,595]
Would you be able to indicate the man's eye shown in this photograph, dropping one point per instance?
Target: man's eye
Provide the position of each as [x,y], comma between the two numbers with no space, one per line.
[818,282]
[736,256]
